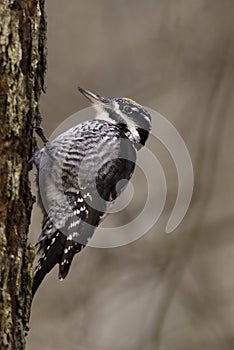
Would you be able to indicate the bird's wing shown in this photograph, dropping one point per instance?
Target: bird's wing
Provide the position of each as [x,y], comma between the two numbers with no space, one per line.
[78,175]
[90,201]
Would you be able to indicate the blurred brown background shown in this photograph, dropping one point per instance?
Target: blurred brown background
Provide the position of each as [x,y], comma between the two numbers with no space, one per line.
[163,291]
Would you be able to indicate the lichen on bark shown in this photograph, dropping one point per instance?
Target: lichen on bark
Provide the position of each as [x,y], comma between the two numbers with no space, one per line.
[22,69]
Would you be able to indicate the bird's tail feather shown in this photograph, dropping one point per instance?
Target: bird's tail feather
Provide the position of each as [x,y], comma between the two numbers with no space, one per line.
[48,260]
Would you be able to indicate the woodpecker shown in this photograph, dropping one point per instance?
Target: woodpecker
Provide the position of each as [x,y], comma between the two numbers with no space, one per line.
[79,177]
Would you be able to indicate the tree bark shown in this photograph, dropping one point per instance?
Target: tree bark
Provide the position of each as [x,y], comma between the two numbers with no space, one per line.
[22,69]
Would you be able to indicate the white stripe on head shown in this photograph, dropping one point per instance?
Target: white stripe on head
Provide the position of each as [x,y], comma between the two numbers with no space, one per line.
[131,126]
[103,114]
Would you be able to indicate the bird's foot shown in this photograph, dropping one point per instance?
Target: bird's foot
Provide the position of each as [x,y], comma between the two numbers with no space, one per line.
[38,128]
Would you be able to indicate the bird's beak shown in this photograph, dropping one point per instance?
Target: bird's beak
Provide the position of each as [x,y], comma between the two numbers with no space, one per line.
[93,98]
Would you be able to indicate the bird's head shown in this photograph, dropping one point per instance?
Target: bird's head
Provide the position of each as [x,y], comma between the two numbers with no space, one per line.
[129,115]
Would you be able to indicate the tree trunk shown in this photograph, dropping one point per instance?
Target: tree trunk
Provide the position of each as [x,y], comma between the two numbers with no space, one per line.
[22,68]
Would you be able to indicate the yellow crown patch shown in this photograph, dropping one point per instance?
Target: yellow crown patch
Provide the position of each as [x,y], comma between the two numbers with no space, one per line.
[130,100]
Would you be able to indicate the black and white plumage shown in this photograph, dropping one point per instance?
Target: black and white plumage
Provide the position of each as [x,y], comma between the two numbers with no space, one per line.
[78,174]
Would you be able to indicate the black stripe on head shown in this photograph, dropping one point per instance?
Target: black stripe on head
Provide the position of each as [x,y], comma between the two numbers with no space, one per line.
[144,134]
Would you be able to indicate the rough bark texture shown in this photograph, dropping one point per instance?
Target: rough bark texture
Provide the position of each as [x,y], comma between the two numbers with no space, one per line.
[22,67]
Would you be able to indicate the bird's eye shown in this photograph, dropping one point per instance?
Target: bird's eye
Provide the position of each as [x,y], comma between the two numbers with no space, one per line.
[127,109]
